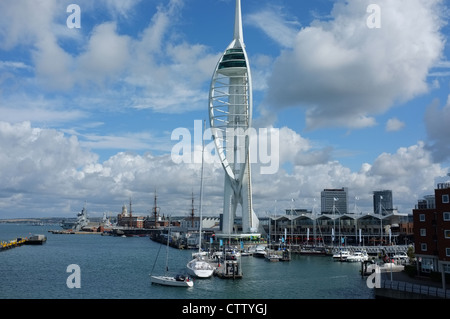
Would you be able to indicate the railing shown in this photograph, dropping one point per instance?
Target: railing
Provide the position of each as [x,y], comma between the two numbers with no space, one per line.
[416,288]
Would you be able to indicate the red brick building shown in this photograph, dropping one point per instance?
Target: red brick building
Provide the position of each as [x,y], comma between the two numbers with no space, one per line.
[432,231]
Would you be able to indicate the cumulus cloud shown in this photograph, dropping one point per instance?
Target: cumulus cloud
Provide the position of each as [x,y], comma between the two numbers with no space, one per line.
[145,67]
[41,166]
[343,73]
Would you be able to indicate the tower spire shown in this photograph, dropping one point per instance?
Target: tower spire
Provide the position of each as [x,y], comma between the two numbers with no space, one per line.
[238,33]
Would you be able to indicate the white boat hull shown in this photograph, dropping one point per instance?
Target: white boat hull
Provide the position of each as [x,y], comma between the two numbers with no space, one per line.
[200,269]
[171,281]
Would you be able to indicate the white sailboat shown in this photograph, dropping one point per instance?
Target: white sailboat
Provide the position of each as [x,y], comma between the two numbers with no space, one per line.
[199,266]
[166,280]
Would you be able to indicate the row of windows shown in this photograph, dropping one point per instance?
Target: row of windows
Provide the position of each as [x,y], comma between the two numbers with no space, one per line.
[423,233]
[424,247]
[446,217]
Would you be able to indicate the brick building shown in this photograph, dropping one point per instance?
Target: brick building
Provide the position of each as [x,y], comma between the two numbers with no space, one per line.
[432,231]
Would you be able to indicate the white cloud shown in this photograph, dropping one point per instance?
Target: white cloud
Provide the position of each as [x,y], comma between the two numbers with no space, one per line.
[275,24]
[344,73]
[145,69]
[45,172]
[106,55]
[394,124]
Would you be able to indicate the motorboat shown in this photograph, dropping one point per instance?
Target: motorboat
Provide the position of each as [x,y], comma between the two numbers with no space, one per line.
[358,256]
[199,268]
[272,257]
[259,252]
[176,281]
[341,255]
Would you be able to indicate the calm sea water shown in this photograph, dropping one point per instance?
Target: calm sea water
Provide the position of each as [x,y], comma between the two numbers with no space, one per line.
[116,267]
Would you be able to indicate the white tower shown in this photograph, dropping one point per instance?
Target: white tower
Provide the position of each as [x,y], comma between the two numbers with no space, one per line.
[230,115]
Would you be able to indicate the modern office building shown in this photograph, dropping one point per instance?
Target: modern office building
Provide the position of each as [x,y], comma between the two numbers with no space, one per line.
[334,201]
[382,202]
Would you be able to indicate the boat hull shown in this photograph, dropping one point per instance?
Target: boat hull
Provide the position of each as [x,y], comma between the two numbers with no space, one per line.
[171,281]
[200,269]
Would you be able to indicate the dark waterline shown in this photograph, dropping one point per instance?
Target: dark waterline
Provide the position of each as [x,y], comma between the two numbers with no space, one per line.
[119,268]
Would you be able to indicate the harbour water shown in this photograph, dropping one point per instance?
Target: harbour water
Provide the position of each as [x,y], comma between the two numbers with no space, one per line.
[119,268]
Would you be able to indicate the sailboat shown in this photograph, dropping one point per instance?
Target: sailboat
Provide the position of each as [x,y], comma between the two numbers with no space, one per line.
[166,280]
[199,267]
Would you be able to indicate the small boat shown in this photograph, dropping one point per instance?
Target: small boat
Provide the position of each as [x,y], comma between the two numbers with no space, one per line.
[341,255]
[200,268]
[176,281]
[272,256]
[357,256]
[259,252]
[166,280]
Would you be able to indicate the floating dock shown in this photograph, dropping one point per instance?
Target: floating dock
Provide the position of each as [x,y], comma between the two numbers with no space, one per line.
[229,269]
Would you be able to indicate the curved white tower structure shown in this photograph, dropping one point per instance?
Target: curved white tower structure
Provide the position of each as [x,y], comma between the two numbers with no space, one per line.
[230,115]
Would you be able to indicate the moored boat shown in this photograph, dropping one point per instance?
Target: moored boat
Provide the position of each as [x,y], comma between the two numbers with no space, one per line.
[175,281]
[341,255]
[358,256]
[199,268]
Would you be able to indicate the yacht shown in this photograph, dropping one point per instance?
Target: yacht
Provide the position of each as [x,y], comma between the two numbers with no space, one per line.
[358,256]
[199,268]
[341,255]
[176,281]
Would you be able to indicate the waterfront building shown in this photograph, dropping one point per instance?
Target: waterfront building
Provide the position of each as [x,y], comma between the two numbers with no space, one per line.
[432,231]
[230,115]
[126,219]
[334,201]
[194,222]
[336,226]
[367,229]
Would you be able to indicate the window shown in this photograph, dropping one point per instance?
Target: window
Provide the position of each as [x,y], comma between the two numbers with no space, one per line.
[422,217]
[447,216]
[446,267]
[445,199]
[423,232]
[447,252]
[447,234]
[423,247]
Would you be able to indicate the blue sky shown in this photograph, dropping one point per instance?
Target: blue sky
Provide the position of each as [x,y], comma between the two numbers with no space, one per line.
[86,114]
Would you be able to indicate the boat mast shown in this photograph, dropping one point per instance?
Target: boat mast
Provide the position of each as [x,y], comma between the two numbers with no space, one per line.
[155,210]
[131,216]
[192,210]
[201,192]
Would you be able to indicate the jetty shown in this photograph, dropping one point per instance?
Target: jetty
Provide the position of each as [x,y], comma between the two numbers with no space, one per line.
[229,269]
[17,242]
